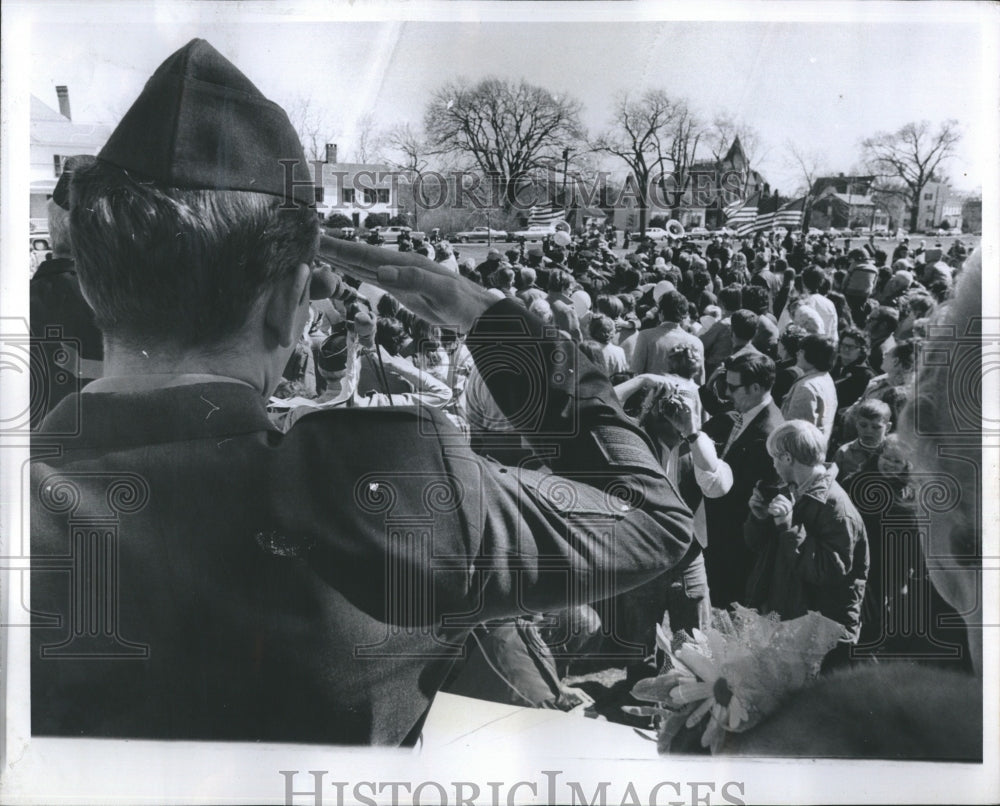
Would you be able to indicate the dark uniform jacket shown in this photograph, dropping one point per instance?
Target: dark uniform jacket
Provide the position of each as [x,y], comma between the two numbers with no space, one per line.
[198,574]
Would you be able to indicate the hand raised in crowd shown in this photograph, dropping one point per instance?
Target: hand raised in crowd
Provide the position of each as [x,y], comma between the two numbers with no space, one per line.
[426,288]
[680,414]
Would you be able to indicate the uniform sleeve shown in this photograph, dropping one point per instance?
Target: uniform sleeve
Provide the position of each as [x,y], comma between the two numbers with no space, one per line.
[601,517]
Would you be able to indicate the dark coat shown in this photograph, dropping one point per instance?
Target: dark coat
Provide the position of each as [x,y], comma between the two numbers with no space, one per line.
[718,343]
[851,381]
[727,559]
[769,280]
[820,563]
[786,374]
[316,585]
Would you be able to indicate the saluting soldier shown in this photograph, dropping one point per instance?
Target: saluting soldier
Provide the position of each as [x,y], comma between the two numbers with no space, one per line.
[215,578]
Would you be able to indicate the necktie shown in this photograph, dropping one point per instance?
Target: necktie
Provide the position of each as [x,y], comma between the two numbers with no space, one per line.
[737,425]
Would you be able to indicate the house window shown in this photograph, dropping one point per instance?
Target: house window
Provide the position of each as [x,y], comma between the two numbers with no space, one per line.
[369,195]
[383,195]
[928,196]
[348,195]
[57,165]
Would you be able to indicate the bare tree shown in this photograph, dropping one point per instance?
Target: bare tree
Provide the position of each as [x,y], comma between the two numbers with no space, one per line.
[683,147]
[503,128]
[371,140]
[647,133]
[913,155]
[313,125]
[407,150]
[810,164]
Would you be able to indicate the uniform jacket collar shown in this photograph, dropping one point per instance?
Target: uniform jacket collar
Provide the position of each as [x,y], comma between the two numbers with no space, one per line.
[195,411]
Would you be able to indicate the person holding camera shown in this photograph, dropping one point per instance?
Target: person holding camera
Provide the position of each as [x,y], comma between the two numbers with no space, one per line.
[671,418]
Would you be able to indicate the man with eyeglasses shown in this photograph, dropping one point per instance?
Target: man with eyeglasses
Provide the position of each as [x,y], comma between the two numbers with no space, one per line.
[741,436]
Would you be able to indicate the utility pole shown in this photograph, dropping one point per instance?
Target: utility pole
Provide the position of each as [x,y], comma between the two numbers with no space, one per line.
[565,155]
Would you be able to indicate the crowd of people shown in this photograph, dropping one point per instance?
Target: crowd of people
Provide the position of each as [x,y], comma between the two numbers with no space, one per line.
[769,373]
[342,478]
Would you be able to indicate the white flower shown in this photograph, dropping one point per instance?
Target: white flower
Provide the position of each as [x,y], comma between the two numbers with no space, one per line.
[697,677]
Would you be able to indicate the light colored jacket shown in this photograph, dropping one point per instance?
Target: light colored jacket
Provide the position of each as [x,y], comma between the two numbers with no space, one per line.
[812,398]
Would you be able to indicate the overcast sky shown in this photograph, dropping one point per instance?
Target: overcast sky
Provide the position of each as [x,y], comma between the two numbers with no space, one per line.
[823,84]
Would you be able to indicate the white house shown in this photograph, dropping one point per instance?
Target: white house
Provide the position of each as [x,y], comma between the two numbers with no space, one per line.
[54,136]
[356,189]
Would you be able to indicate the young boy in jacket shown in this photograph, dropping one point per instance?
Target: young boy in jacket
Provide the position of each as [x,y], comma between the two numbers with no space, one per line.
[812,536]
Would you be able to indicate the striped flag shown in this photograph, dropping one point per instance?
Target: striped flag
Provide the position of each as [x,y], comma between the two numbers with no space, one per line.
[791,215]
[767,210]
[545,214]
[767,213]
[741,216]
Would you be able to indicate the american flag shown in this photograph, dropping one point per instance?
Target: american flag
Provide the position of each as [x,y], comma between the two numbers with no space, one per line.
[761,214]
[545,214]
[791,215]
[740,216]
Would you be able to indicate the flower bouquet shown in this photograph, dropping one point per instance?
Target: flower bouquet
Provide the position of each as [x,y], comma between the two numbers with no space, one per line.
[730,677]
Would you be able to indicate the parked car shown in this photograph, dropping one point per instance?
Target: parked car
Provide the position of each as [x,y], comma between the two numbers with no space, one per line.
[480,235]
[698,232]
[40,248]
[534,233]
[656,233]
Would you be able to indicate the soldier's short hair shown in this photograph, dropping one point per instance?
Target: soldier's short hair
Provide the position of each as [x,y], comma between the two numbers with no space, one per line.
[180,266]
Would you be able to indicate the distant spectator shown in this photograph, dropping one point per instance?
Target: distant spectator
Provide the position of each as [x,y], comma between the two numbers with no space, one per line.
[653,346]
[872,420]
[813,397]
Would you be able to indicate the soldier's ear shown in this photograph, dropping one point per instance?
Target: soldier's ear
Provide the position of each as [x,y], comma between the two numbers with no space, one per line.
[287,305]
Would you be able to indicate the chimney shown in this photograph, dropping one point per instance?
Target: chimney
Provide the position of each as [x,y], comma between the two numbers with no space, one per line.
[63,94]
[331,153]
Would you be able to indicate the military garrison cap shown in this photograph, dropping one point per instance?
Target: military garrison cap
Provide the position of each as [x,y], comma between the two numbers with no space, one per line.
[200,124]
